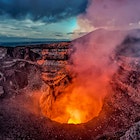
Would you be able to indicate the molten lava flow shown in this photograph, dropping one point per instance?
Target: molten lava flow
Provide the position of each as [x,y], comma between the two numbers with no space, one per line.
[76,105]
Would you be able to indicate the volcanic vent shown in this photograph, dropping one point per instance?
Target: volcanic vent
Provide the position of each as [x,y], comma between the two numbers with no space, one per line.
[65,99]
[65,104]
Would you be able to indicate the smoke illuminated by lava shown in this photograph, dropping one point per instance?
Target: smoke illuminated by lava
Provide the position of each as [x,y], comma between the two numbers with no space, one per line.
[93,65]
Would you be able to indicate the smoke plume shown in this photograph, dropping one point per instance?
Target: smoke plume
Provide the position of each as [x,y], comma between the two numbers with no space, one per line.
[93,60]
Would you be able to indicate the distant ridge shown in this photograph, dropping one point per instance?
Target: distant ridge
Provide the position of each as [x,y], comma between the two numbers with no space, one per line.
[21,41]
[14,44]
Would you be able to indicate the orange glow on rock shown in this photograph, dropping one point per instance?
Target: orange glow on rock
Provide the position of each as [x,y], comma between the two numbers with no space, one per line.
[40,62]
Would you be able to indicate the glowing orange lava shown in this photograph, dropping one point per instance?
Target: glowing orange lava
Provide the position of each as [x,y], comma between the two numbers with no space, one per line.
[74,106]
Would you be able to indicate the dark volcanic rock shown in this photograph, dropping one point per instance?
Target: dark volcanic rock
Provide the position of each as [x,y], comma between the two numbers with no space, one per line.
[21,79]
[133,133]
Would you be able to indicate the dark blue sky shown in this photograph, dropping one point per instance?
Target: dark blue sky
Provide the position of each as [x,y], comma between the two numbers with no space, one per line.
[40,18]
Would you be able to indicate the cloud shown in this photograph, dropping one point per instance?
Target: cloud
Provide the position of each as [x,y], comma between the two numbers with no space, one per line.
[30,29]
[24,28]
[112,13]
[45,10]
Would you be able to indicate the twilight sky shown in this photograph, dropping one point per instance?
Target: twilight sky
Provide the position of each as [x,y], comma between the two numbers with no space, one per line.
[65,19]
[40,18]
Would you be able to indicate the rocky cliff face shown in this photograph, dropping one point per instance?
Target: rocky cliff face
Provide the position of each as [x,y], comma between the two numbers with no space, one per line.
[43,67]
[30,66]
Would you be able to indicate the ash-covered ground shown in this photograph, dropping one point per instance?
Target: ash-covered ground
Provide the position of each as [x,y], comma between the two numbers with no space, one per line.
[26,70]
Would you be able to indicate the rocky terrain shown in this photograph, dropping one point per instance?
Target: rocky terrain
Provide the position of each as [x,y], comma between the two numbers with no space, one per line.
[27,72]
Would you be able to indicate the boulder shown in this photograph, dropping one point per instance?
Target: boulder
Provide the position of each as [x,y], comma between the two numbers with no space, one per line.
[133,133]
